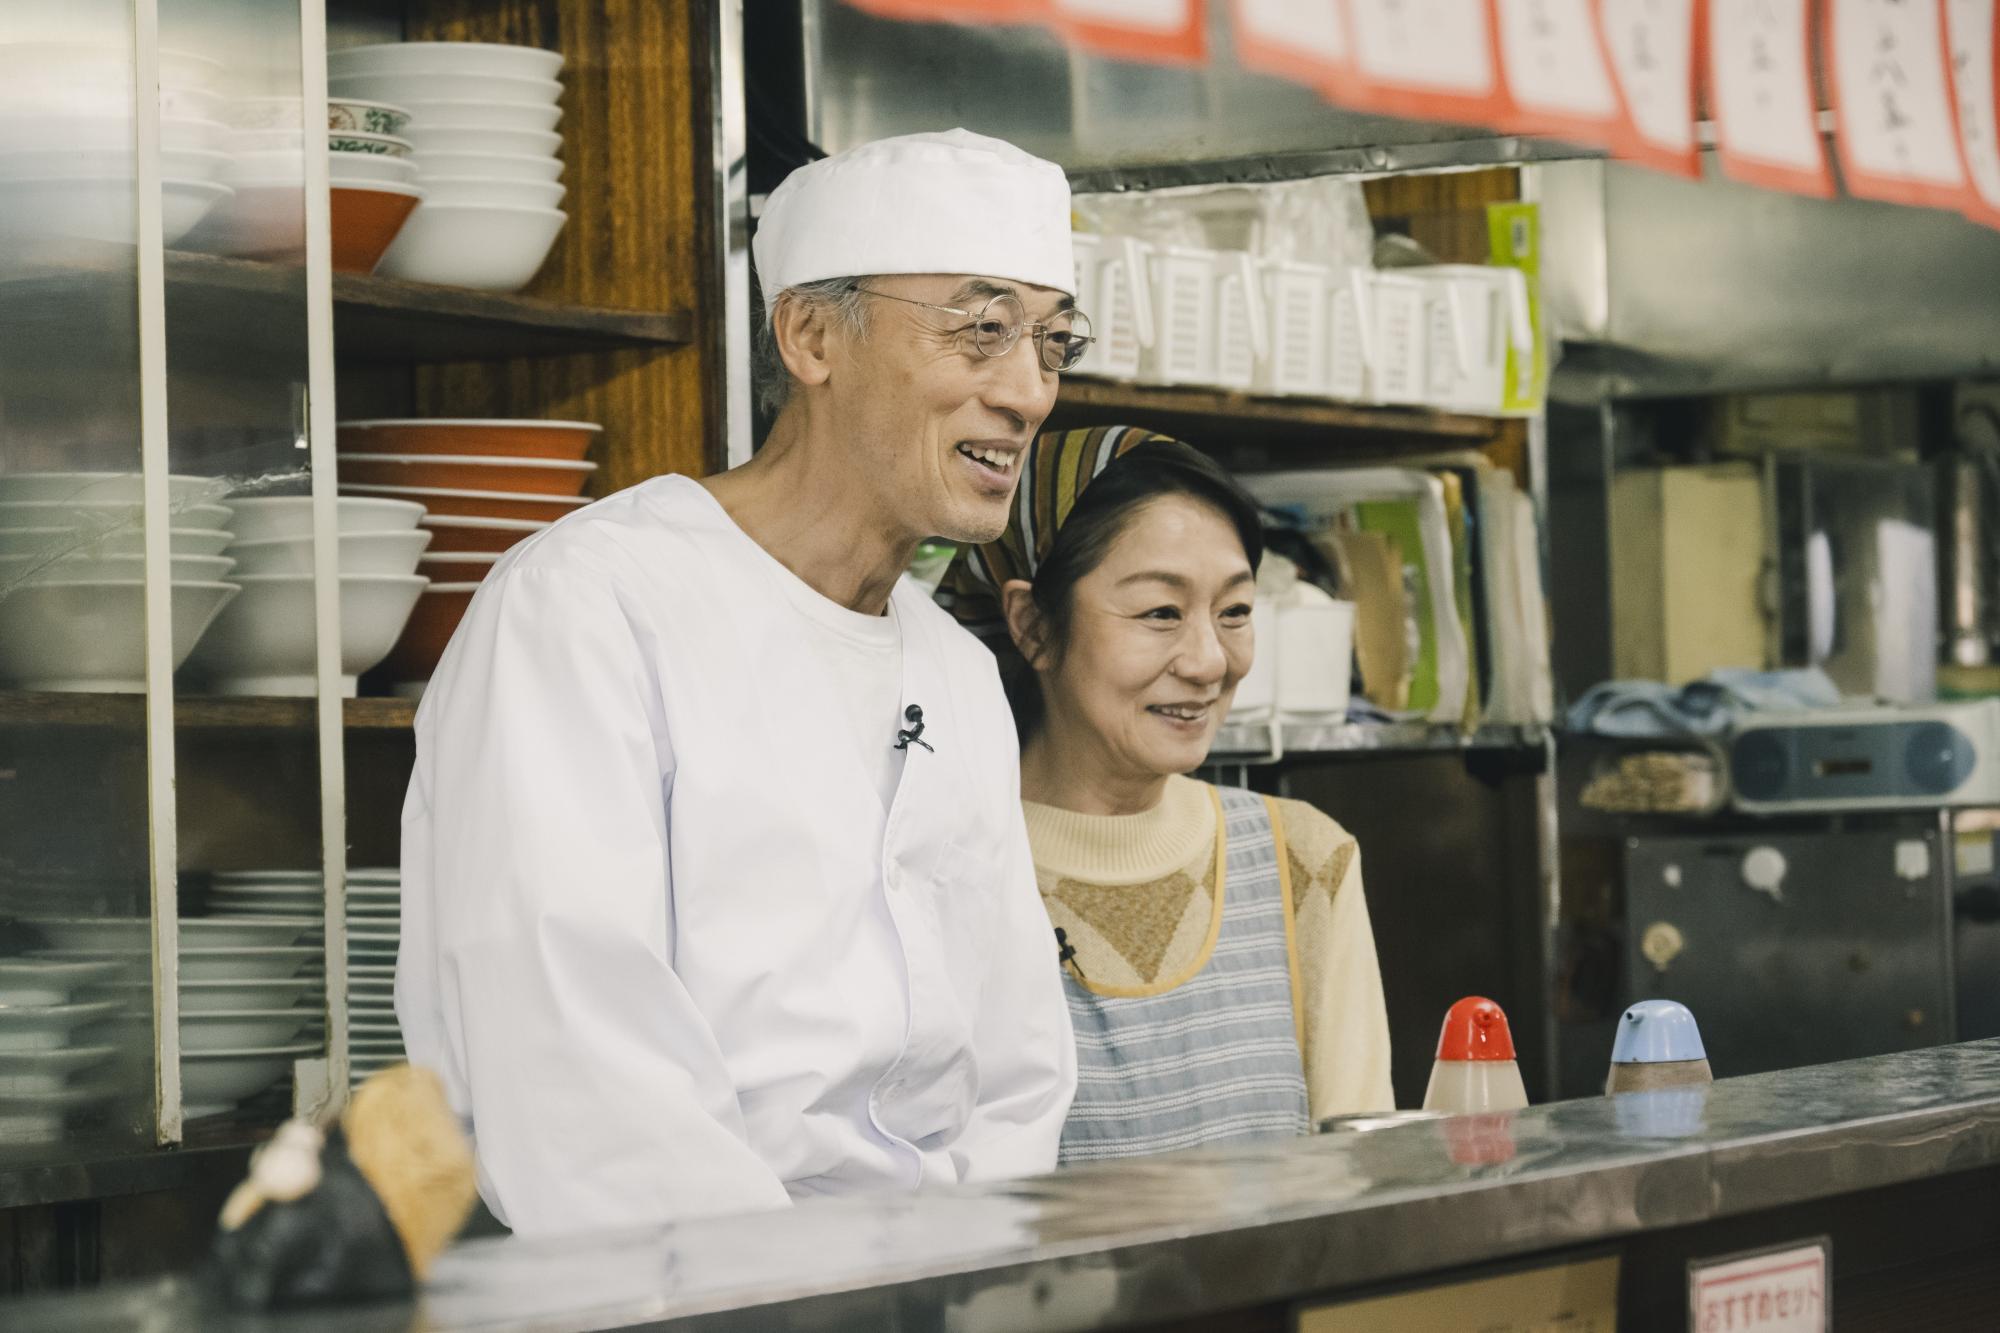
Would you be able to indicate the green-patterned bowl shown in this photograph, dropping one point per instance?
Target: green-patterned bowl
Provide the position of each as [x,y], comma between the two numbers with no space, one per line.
[355,141]
[349,116]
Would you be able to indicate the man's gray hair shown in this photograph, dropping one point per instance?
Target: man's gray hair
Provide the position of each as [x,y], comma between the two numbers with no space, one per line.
[839,298]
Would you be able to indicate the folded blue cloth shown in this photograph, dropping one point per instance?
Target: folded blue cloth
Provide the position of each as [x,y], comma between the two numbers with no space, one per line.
[1706,707]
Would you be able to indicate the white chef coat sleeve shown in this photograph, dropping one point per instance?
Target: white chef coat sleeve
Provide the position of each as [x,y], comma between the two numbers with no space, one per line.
[1027,1053]
[597,1093]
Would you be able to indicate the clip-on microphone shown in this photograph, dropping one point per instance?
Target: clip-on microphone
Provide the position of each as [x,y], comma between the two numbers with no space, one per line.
[914,735]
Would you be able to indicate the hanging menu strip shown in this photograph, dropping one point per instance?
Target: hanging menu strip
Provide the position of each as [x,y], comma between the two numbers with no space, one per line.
[1557,76]
[1975,53]
[1761,93]
[1426,58]
[1301,40]
[1896,120]
[1650,45]
[956,11]
[1157,30]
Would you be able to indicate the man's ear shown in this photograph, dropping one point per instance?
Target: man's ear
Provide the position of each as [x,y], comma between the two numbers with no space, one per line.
[1024,621]
[803,334]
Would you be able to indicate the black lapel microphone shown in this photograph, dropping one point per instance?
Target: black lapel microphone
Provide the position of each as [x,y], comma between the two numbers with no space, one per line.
[1066,952]
[914,735]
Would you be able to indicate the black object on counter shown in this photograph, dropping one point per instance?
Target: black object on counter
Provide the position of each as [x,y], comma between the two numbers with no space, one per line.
[333,1245]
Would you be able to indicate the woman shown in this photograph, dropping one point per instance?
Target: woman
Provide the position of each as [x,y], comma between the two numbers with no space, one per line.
[1218,961]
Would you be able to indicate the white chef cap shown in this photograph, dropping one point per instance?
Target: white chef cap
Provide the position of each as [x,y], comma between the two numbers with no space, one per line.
[955,202]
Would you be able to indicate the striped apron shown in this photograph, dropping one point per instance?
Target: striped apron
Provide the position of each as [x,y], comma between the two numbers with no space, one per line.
[1216,1058]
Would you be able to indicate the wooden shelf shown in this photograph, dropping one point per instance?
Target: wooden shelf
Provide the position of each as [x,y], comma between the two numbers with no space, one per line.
[1246,744]
[197,712]
[1206,416]
[388,320]
[88,1167]
[220,311]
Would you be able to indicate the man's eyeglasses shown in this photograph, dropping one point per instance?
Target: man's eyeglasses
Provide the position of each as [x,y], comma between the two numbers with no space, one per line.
[997,325]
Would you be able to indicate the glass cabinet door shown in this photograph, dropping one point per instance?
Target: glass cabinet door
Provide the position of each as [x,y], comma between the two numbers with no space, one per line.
[168,722]
[242,348]
[76,778]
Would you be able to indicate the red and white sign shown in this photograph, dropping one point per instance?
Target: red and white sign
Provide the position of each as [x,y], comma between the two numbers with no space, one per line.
[1651,47]
[1760,90]
[1430,59]
[956,11]
[1779,1292]
[1301,40]
[1897,121]
[1155,30]
[1974,41]
[1557,71]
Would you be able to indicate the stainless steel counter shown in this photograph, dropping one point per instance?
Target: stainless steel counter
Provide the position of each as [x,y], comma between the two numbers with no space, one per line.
[1178,1236]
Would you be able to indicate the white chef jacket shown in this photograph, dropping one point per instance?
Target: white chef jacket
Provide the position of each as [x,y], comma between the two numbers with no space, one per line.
[661,939]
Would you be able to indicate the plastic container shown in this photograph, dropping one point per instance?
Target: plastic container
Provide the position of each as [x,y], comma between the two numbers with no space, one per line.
[1184,302]
[1398,343]
[1315,651]
[1477,314]
[1347,335]
[1256,698]
[1242,321]
[1475,1071]
[1087,251]
[1295,298]
[1123,317]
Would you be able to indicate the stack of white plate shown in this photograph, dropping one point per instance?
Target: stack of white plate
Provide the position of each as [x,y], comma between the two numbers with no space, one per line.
[248,991]
[56,1050]
[374,915]
[67,166]
[72,576]
[265,642]
[482,119]
[374,928]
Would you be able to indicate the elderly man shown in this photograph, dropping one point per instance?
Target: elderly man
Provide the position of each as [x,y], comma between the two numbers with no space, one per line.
[715,888]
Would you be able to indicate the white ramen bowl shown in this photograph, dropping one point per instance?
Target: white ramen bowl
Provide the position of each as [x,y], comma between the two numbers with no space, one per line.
[264,642]
[91,637]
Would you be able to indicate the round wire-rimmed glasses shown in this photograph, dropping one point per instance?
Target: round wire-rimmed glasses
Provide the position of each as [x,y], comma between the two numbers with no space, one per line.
[998,324]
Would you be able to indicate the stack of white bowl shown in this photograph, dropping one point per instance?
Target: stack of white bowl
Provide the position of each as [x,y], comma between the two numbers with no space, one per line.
[72,576]
[372,174]
[251,995]
[374,915]
[265,642]
[483,120]
[67,163]
[57,1047]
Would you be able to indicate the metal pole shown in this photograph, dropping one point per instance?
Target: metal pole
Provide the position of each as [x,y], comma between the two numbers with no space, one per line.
[732,230]
[162,809]
[314,1096]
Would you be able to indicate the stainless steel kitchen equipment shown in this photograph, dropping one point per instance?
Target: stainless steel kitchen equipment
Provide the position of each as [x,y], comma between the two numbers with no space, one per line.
[1795,947]
[1659,285]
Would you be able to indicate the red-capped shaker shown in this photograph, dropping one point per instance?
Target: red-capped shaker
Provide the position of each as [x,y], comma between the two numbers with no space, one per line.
[1475,1070]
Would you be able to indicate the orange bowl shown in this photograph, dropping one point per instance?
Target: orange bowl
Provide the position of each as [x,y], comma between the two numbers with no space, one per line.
[457,566]
[529,476]
[477,535]
[365,220]
[428,631]
[495,438]
[475,504]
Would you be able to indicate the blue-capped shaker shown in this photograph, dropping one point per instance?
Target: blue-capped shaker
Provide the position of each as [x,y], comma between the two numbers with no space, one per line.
[1658,1046]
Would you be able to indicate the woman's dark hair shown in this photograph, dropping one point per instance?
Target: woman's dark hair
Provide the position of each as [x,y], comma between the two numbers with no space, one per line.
[1144,473]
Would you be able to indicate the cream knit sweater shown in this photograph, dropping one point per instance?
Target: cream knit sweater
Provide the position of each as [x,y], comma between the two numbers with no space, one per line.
[1135,895]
